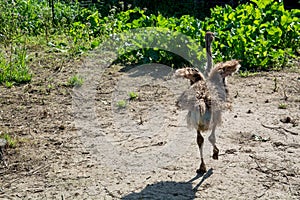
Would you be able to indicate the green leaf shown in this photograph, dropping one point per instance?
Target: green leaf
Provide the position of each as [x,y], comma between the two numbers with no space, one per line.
[94,44]
[262,3]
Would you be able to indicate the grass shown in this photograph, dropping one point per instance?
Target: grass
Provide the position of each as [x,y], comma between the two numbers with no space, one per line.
[282,106]
[75,81]
[246,73]
[13,67]
[9,84]
[133,95]
[121,104]
[12,143]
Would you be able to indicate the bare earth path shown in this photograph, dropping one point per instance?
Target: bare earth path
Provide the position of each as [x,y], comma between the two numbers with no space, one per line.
[149,153]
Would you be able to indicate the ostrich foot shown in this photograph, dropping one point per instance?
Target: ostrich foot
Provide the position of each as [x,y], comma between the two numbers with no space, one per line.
[202,169]
[215,153]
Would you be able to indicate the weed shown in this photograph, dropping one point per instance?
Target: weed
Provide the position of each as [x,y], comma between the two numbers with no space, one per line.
[14,68]
[121,104]
[246,73]
[9,84]
[133,95]
[50,86]
[75,81]
[282,106]
[12,143]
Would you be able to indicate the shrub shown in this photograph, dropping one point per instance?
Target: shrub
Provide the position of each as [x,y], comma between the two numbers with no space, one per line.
[261,34]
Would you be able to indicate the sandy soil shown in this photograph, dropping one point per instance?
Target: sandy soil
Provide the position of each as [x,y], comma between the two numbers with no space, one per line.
[71,147]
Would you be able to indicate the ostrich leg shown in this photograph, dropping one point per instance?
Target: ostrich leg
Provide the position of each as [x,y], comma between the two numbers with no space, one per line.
[212,137]
[200,141]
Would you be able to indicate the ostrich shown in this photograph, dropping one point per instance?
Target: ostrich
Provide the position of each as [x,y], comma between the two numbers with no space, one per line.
[211,97]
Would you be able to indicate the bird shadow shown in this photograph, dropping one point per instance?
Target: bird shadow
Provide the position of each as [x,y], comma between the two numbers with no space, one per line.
[170,189]
[153,70]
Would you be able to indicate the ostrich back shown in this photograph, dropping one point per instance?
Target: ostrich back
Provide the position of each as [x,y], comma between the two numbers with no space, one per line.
[200,112]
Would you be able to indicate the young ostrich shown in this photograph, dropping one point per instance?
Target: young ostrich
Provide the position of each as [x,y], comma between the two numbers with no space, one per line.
[210,97]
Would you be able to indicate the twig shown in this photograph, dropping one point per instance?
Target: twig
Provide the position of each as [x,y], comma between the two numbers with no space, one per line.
[290,189]
[36,170]
[259,196]
[27,174]
[141,122]
[152,145]
[110,193]
[258,165]
[267,188]
[277,128]
[267,170]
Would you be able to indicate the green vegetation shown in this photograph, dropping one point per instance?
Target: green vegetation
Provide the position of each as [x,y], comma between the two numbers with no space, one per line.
[12,143]
[262,34]
[133,95]
[121,104]
[14,68]
[282,106]
[75,81]
[247,73]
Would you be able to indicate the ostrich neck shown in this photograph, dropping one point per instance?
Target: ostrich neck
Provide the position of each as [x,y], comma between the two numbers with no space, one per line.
[208,56]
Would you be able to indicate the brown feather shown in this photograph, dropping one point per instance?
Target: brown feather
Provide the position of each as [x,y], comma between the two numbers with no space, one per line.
[192,74]
[199,114]
[226,68]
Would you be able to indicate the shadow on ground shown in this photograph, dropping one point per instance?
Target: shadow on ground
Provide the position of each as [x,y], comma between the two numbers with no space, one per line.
[170,189]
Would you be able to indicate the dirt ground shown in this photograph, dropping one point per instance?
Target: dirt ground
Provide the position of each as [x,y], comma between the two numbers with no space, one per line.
[71,148]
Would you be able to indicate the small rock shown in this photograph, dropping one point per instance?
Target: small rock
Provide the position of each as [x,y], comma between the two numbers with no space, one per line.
[58,143]
[3,143]
[236,95]
[230,151]
[259,138]
[286,120]
[277,144]
[292,174]
[61,127]
[249,111]
[248,150]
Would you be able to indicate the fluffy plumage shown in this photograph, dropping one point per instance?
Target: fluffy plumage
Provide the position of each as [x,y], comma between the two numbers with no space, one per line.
[193,74]
[197,99]
[225,68]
